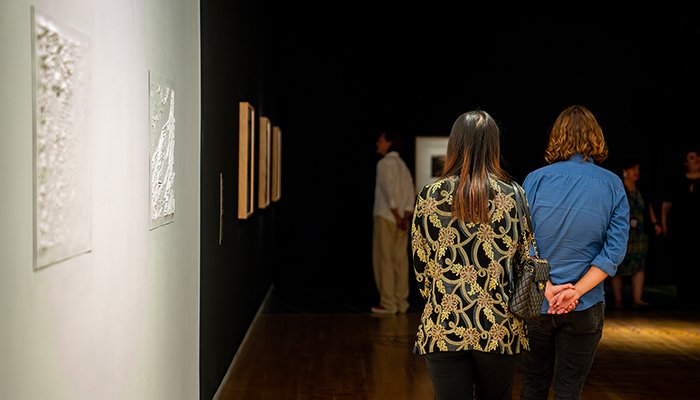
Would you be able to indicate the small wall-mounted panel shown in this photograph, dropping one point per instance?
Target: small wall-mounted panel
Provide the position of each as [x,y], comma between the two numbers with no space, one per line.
[246,159]
[62,158]
[264,163]
[430,159]
[276,164]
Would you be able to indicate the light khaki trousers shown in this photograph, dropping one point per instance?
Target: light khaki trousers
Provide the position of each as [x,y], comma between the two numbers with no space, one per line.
[390,260]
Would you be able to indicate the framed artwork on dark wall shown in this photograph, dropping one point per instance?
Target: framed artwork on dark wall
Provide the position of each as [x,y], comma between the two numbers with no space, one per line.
[246,159]
[264,163]
[221,207]
[276,164]
[430,159]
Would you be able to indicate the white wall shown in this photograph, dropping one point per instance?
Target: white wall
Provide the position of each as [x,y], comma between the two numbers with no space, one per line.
[121,322]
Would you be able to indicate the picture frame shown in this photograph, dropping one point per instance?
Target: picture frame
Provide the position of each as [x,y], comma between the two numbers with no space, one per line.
[162,134]
[430,159]
[246,159]
[62,179]
[276,164]
[264,163]
[221,208]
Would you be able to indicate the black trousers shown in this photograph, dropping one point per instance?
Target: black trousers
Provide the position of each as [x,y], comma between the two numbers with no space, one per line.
[562,349]
[458,375]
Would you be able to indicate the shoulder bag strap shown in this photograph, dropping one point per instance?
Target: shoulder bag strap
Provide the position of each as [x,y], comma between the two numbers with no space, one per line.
[524,215]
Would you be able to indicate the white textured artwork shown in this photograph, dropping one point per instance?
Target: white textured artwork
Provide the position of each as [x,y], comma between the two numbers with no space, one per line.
[162,132]
[62,190]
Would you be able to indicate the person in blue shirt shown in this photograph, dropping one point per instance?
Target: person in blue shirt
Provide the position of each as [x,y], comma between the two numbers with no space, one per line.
[580,215]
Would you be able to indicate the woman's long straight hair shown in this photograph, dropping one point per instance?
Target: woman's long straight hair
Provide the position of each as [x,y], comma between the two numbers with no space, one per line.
[473,153]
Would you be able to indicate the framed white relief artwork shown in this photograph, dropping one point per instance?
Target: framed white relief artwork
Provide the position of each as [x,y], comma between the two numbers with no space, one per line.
[246,159]
[430,159]
[276,164]
[162,149]
[264,163]
[61,108]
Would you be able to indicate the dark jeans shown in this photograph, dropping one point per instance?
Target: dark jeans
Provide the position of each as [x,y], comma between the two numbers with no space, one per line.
[455,375]
[561,347]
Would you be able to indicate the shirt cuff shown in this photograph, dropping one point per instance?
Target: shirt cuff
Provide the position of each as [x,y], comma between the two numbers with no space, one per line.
[605,265]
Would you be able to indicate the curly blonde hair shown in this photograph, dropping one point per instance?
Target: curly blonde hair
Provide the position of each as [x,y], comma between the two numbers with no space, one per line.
[576,131]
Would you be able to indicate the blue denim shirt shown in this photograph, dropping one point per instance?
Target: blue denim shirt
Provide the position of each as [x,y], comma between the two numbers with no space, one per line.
[580,215]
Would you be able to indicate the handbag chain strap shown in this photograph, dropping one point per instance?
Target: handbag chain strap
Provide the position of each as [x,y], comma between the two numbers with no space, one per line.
[524,215]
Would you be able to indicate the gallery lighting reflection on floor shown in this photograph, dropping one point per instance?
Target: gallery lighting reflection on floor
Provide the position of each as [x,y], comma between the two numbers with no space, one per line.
[643,355]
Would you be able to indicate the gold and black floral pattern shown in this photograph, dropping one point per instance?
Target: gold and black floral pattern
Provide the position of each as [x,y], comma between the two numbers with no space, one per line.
[463,270]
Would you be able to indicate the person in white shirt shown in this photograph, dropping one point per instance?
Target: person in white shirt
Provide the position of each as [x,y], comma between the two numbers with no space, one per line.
[394,200]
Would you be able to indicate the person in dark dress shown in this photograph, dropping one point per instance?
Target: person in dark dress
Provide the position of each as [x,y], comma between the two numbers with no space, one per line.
[642,216]
[680,219]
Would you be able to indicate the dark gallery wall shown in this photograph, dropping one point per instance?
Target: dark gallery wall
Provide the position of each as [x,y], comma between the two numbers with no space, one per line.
[238,65]
[351,74]
[334,79]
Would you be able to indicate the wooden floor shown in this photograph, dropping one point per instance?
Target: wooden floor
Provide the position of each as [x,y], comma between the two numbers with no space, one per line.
[653,354]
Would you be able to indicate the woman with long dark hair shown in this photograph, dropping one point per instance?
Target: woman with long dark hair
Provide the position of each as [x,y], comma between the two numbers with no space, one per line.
[465,250]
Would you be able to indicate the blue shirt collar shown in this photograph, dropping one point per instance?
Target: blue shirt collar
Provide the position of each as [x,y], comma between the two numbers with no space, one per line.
[579,158]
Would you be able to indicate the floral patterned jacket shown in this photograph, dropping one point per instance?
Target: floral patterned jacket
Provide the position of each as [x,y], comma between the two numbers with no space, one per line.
[463,270]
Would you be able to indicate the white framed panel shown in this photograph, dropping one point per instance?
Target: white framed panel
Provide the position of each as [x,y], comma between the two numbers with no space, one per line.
[162,149]
[430,159]
[62,157]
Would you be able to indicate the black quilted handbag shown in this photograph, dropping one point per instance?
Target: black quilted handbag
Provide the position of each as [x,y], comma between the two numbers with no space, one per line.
[527,294]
